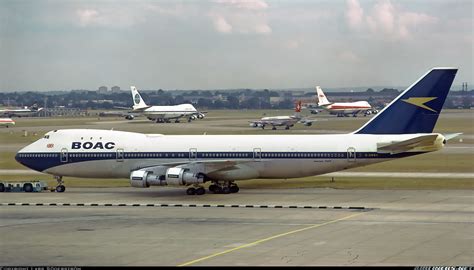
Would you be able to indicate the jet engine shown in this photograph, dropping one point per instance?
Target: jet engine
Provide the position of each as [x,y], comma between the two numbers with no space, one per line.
[192,117]
[308,124]
[130,117]
[201,116]
[172,177]
[180,176]
[144,179]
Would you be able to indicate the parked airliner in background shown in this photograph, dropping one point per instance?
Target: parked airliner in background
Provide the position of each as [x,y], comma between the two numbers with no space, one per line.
[402,129]
[162,114]
[6,122]
[21,112]
[287,121]
[343,108]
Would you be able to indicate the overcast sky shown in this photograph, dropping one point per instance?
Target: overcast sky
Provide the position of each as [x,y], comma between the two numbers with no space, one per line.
[62,45]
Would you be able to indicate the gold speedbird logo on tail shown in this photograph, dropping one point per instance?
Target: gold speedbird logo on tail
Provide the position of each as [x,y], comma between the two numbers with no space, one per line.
[420,102]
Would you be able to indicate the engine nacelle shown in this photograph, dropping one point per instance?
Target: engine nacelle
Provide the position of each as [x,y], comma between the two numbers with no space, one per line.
[144,179]
[201,116]
[130,117]
[173,176]
[180,176]
[192,117]
[308,124]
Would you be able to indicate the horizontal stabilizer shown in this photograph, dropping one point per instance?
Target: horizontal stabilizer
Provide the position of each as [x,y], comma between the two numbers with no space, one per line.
[450,136]
[396,147]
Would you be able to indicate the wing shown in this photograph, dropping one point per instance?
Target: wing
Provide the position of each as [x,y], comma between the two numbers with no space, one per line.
[210,168]
[122,108]
[307,121]
[395,147]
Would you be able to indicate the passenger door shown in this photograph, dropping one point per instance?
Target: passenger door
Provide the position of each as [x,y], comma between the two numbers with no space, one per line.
[351,154]
[119,155]
[257,154]
[64,155]
[192,154]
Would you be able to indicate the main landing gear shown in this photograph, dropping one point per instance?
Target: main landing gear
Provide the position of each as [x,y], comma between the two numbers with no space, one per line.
[60,187]
[196,190]
[225,187]
[217,187]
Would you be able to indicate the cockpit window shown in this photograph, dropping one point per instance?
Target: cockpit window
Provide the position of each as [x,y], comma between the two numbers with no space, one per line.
[46,136]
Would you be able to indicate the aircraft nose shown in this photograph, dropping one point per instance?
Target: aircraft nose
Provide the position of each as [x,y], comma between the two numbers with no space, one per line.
[20,158]
[25,158]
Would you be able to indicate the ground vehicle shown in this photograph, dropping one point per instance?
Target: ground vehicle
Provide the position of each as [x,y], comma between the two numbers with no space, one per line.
[27,186]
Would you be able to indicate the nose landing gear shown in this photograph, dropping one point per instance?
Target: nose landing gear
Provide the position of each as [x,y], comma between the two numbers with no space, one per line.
[60,187]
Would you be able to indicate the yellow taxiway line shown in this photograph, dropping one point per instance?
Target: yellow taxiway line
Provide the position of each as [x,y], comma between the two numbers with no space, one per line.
[268,239]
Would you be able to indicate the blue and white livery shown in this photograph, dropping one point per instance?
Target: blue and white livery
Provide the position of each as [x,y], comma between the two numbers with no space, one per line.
[162,114]
[402,129]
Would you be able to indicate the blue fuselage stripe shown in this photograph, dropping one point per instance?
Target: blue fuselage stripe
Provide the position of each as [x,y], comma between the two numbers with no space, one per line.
[41,161]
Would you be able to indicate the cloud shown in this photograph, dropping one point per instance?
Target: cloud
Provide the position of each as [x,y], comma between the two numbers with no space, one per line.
[354,14]
[386,20]
[245,4]
[221,25]
[244,17]
[107,16]
[349,56]
[87,16]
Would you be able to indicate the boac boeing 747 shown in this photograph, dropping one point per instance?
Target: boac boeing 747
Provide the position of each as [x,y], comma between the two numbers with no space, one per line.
[402,129]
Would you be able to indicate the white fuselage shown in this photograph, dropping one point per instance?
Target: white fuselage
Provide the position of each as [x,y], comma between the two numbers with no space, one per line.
[19,112]
[6,122]
[115,154]
[347,107]
[169,112]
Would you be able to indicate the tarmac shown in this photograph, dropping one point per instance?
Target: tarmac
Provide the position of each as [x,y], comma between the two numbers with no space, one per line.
[295,227]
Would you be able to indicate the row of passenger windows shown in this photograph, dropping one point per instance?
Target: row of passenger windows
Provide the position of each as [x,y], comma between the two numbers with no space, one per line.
[205,155]
[92,155]
[212,155]
[37,155]
[303,155]
[156,155]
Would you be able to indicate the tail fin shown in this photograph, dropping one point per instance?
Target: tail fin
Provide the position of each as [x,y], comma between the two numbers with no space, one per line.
[138,102]
[322,99]
[297,108]
[416,110]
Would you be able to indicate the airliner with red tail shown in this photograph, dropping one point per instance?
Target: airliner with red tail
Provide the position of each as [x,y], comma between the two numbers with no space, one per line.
[344,108]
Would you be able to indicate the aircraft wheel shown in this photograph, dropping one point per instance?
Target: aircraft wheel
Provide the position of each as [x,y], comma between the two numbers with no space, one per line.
[191,191]
[218,190]
[212,188]
[60,188]
[200,191]
[226,190]
[234,189]
[287,128]
[28,188]
[2,187]
[274,128]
